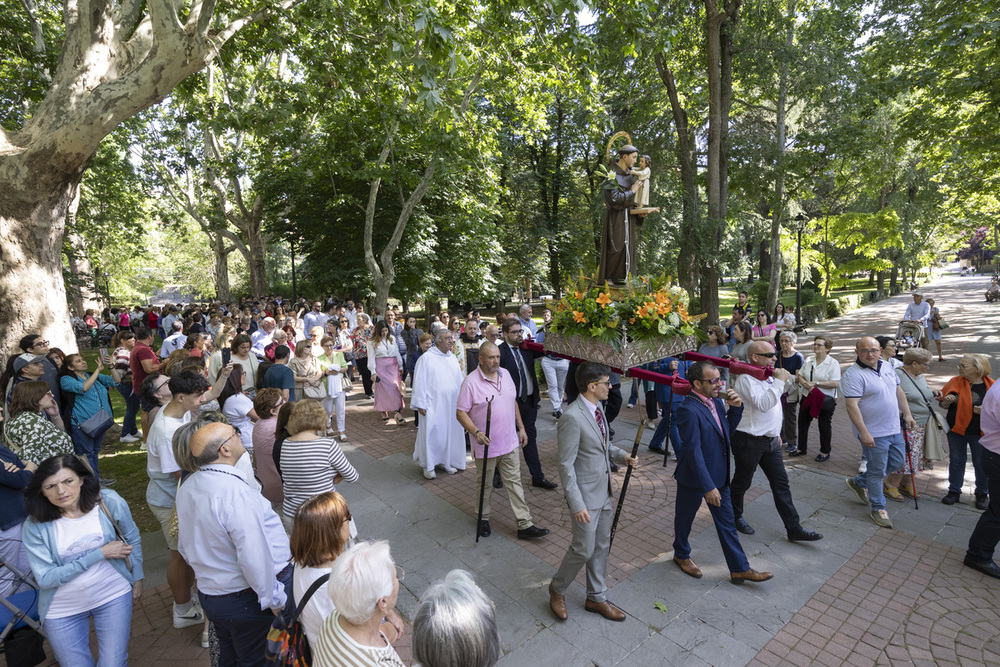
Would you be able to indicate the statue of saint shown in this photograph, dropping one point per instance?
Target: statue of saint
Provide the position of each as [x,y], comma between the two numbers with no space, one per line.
[621,231]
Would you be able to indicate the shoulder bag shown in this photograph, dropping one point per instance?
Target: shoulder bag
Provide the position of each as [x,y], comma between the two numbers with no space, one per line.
[286,640]
[118,531]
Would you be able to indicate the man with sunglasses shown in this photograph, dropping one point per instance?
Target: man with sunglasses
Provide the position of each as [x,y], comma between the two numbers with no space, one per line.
[756,443]
[703,471]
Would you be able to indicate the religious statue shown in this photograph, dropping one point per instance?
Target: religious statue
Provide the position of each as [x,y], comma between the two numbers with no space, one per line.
[621,231]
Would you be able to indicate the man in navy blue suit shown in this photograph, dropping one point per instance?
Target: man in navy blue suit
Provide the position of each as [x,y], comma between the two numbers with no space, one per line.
[703,471]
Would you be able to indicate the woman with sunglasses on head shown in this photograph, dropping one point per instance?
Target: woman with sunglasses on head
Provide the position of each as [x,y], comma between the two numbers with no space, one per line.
[86,556]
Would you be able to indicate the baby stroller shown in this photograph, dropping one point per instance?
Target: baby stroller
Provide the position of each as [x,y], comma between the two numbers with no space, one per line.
[21,634]
[909,334]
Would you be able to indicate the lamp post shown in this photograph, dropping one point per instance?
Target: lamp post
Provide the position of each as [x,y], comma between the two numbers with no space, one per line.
[295,296]
[800,224]
[107,287]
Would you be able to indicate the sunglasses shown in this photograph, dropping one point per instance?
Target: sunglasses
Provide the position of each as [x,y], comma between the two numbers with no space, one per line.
[769,355]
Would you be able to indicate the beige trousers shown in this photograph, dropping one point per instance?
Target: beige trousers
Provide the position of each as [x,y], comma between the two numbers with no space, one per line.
[510,472]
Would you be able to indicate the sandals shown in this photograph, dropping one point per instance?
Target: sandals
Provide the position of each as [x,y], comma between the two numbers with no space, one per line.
[908,492]
[400,419]
[892,493]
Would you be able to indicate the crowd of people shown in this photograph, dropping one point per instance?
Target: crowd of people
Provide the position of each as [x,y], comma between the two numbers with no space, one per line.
[241,413]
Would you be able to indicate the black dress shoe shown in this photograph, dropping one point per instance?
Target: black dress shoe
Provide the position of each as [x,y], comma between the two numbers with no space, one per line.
[543,483]
[497,482]
[658,449]
[952,498]
[484,529]
[982,501]
[989,568]
[797,452]
[531,533]
[822,457]
[744,527]
[803,535]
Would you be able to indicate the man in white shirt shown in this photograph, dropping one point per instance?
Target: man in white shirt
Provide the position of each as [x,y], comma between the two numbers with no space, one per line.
[352,315]
[187,389]
[174,341]
[234,542]
[756,443]
[261,338]
[919,311]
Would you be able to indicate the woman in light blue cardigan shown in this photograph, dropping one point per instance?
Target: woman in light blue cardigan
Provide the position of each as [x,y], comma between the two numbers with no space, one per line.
[83,567]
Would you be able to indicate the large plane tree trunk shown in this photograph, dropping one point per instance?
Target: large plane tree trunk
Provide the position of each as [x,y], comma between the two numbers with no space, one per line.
[118,58]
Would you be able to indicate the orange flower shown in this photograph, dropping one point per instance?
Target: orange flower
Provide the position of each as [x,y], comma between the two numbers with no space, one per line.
[578,316]
[603,299]
[578,294]
[631,320]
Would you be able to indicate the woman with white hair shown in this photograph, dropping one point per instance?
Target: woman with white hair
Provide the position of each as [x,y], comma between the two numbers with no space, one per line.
[456,625]
[364,585]
[791,360]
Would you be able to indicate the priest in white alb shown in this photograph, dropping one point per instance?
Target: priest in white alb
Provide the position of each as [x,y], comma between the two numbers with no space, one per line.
[436,381]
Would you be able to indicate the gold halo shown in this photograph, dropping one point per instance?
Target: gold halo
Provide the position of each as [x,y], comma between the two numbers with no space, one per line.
[611,141]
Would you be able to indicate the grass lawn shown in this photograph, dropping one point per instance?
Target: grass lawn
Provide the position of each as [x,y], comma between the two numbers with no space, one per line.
[125,462]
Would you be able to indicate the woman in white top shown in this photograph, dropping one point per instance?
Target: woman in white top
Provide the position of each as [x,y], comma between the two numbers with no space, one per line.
[385,362]
[820,371]
[242,357]
[237,406]
[321,531]
[785,321]
[332,364]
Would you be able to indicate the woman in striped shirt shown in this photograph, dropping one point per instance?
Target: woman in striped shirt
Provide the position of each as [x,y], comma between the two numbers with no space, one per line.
[311,463]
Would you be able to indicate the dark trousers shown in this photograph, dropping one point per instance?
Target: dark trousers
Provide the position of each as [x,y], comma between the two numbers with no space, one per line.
[751,451]
[986,535]
[825,426]
[241,625]
[131,409]
[614,403]
[958,449]
[528,415]
[366,375]
[688,502]
[660,434]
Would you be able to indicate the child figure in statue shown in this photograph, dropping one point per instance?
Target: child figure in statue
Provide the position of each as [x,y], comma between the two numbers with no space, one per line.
[641,186]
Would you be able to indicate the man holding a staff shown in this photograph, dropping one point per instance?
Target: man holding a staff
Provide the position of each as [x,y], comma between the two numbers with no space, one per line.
[490,387]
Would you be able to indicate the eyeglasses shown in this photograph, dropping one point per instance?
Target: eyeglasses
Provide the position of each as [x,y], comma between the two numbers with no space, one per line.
[400,573]
[717,380]
[607,382]
[39,342]
[236,434]
[769,355]
[873,350]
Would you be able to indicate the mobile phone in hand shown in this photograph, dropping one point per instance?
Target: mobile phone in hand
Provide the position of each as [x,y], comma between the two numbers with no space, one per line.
[103,352]
[227,354]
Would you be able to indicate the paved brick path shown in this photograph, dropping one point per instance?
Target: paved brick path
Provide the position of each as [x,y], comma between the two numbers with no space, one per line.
[862,596]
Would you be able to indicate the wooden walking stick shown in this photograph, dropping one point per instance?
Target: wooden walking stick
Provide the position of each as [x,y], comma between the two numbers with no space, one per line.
[486,453]
[628,475]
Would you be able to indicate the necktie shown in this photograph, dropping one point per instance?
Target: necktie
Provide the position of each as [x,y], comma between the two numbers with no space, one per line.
[523,389]
[600,423]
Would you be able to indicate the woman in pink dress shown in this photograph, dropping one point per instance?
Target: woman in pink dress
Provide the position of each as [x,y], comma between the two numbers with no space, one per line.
[384,362]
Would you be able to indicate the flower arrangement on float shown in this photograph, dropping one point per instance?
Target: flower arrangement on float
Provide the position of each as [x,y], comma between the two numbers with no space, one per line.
[624,326]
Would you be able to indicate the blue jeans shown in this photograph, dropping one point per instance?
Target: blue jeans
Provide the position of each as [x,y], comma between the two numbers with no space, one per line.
[70,636]
[85,445]
[131,409]
[660,434]
[887,454]
[241,625]
[958,449]
[986,535]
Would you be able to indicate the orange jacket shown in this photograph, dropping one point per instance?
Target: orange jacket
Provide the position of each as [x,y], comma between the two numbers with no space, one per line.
[963,412]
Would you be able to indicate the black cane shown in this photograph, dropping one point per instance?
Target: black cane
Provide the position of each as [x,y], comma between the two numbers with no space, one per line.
[486,453]
[628,475]
[909,459]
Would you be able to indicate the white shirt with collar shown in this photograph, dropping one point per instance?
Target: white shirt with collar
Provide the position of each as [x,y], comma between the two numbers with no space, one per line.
[529,369]
[762,413]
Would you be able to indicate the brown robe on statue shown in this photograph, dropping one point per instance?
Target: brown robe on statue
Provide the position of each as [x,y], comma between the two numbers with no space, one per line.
[621,235]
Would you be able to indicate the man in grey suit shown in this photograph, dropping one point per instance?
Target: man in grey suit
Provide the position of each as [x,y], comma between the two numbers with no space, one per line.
[585,470]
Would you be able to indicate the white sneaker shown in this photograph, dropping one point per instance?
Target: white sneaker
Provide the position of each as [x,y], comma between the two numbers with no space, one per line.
[131,438]
[448,469]
[194,617]
[342,437]
[430,474]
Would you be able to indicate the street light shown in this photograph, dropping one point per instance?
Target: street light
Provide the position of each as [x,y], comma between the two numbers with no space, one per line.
[800,224]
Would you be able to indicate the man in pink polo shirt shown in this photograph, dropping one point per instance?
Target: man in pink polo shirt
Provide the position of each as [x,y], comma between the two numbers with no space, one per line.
[507,435]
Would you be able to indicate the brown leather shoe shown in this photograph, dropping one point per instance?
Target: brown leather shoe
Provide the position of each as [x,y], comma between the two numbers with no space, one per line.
[749,575]
[557,603]
[688,567]
[605,609]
